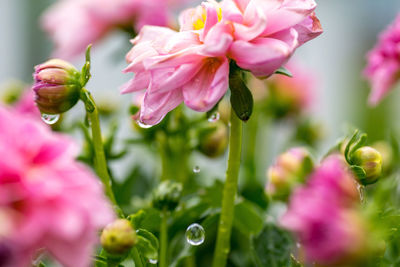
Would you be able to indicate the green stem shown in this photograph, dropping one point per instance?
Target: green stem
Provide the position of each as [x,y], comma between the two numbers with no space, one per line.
[163,240]
[162,141]
[228,201]
[100,163]
[136,258]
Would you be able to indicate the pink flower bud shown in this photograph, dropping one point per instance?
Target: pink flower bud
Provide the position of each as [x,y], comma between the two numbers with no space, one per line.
[57,86]
[290,170]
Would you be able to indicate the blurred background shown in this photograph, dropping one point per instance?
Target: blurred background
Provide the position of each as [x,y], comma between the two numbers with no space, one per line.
[337,58]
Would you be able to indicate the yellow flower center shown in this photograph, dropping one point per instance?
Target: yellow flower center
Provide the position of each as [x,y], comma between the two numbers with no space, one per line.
[200,22]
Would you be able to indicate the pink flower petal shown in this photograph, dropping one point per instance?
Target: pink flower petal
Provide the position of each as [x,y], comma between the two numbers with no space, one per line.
[208,86]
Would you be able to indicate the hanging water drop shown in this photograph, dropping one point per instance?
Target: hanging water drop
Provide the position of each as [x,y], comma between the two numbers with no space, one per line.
[153,261]
[214,117]
[361,191]
[195,234]
[50,119]
[196,169]
[143,125]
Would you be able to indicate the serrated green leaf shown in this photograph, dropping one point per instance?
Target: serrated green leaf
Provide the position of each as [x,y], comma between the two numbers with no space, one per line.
[284,71]
[147,244]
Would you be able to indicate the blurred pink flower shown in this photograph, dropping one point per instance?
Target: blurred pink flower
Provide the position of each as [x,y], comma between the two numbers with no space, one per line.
[193,66]
[267,33]
[324,215]
[293,95]
[74,24]
[47,200]
[383,67]
[26,104]
[188,66]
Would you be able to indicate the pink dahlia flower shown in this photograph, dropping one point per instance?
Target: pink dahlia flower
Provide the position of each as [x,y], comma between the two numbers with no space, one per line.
[267,33]
[383,67]
[192,66]
[325,217]
[74,24]
[189,66]
[48,201]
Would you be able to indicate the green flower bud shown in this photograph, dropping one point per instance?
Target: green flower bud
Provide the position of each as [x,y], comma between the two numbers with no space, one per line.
[214,141]
[57,86]
[118,237]
[370,160]
[167,196]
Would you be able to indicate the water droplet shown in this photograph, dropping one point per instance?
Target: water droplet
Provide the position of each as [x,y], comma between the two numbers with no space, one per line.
[195,234]
[214,117]
[50,119]
[143,125]
[196,169]
[153,261]
[361,191]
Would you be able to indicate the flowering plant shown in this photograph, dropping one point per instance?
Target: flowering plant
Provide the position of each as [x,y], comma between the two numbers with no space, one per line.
[79,186]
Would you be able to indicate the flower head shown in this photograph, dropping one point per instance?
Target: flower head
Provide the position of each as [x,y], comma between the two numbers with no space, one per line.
[383,63]
[325,217]
[57,86]
[192,66]
[47,199]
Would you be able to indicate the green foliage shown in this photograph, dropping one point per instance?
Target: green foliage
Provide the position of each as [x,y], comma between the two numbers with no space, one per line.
[272,247]
[147,244]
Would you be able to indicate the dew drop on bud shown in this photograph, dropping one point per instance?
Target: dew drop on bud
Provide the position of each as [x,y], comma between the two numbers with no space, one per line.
[50,119]
[153,261]
[196,169]
[143,125]
[214,117]
[195,234]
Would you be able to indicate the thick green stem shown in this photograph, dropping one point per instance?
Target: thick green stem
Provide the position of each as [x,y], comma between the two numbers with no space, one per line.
[163,240]
[100,163]
[136,258]
[228,201]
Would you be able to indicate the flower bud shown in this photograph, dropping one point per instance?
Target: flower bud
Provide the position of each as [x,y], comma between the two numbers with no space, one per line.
[118,237]
[387,154]
[57,86]
[370,160]
[214,142]
[290,170]
[167,196]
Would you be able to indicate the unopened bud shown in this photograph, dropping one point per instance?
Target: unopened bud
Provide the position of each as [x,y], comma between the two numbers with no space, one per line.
[57,86]
[387,154]
[370,160]
[167,196]
[214,142]
[290,170]
[118,237]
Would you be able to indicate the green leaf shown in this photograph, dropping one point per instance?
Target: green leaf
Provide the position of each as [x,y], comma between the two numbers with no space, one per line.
[146,219]
[359,173]
[272,247]
[241,98]
[356,141]
[284,71]
[248,218]
[147,244]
